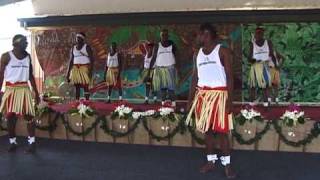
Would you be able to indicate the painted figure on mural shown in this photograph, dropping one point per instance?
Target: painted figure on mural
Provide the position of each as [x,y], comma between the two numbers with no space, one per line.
[261,51]
[210,98]
[165,71]
[80,66]
[113,69]
[17,102]
[145,75]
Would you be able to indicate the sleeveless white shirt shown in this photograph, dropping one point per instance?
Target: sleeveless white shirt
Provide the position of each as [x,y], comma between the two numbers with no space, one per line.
[147,62]
[112,61]
[17,70]
[211,72]
[261,53]
[165,56]
[80,56]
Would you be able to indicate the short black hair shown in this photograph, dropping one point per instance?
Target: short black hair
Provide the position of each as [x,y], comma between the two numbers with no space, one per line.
[164,30]
[208,27]
[113,43]
[82,33]
[17,37]
[259,28]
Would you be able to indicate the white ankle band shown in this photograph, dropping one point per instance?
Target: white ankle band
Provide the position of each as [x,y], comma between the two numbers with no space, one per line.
[173,103]
[225,160]
[31,140]
[13,140]
[212,157]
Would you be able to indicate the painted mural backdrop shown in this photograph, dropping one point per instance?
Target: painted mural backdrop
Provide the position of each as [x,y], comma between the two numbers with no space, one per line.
[52,48]
[299,43]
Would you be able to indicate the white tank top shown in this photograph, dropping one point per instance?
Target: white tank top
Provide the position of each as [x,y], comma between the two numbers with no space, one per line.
[211,72]
[112,61]
[261,53]
[165,56]
[147,62]
[17,70]
[80,56]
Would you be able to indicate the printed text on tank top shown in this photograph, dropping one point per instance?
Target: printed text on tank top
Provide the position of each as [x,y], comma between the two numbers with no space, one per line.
[165,56]
[261,52]
[207,60]
[82,51]
[211,72]
[17,70]
[80,56]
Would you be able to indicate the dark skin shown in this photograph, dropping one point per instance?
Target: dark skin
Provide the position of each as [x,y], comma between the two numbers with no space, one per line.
[19,50]
[259,39]
[113,50]
[165,42]
[209,41]
[79,45]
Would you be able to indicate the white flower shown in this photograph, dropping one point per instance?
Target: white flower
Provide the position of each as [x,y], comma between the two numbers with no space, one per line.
[249,114]
[136,115]
[149,113]
[82,110]
[166,111]
[123,110]
[292,115]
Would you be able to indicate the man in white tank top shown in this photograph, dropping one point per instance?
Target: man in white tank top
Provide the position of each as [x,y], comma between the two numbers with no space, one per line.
[80,66]
[165,72]
[259,75]
[145,75]
[113,71]
[210,98]
[17,102]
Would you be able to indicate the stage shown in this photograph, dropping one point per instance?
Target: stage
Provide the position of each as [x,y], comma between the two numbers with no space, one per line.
[268,135]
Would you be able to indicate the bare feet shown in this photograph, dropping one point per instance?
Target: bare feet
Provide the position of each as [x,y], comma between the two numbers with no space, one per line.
[209,166]
[230,174]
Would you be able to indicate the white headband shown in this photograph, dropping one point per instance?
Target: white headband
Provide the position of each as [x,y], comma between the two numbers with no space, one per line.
[80,36]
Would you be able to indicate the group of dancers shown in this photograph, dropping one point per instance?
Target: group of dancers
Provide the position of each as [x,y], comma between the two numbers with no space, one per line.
[159,71]
[210,101]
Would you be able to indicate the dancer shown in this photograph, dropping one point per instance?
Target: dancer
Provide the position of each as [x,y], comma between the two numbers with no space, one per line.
[211,91]
[17,102]
[80,66]
[165,73]
[145,76]
[113,71]
[259,76]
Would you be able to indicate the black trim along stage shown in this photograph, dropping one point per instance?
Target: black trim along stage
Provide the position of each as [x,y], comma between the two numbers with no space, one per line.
[187,17]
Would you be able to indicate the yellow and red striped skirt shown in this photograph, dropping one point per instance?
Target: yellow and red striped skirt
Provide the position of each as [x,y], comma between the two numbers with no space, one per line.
[79,74]
[17,99]
[209,107]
